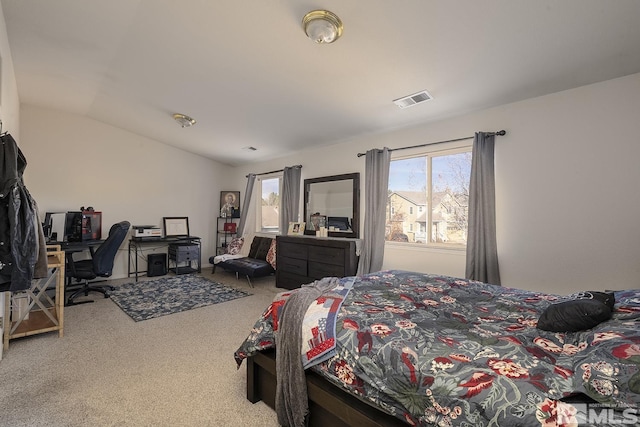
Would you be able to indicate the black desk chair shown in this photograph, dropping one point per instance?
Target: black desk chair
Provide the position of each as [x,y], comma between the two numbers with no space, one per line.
[100,264]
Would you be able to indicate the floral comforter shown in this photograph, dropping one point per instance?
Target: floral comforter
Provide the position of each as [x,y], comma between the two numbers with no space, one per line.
[436,350]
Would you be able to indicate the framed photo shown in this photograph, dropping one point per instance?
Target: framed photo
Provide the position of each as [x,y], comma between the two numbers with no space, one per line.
[229,227]
[316,221]
[176,226]
[296,228]
[230,204]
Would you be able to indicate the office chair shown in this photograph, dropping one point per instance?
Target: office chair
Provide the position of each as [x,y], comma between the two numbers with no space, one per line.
[100,264]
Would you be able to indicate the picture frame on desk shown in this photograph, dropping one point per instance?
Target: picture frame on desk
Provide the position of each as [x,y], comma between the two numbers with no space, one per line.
[176,226]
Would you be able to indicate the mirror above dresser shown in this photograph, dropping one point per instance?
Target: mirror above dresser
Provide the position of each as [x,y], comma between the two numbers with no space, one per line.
[333,202]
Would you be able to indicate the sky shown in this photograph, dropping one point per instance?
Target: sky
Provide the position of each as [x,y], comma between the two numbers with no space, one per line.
[410,174]
[270,186]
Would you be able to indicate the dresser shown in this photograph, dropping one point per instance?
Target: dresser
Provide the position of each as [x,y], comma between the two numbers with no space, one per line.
[303,259]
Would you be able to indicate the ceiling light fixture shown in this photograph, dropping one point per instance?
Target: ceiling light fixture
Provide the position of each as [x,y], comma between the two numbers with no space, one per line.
[183,120]
[322,26]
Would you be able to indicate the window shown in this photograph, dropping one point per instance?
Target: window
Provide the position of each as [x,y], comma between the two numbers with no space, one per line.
[268,217]
[437,184]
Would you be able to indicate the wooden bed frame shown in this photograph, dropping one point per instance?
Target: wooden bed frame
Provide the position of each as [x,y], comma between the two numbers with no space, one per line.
[328,405]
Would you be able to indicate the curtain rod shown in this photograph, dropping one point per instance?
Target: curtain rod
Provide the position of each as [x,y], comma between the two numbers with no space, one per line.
[279,170]
[499,133]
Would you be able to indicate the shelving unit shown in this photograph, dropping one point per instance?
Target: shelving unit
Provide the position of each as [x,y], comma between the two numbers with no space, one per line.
[42,313]
[225,234]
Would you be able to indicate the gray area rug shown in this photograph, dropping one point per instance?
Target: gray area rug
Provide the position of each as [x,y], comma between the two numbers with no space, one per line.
[155,298]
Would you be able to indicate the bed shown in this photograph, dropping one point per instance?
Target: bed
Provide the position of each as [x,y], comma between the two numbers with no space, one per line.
[419,349]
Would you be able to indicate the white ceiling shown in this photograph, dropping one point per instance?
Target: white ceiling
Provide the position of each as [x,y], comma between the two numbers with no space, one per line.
[245,70]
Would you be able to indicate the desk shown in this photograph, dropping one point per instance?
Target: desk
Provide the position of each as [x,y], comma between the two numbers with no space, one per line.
[136,245]
[49,314]
[77,246]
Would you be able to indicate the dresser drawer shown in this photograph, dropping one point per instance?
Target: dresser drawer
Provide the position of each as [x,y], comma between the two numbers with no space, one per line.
[184,253]
[290,280]
[183,248]
[292,250]
[186,257]
[292,265]
[326,255]
[318,270]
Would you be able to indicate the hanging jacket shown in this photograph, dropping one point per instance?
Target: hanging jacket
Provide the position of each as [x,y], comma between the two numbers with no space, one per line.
[20,242]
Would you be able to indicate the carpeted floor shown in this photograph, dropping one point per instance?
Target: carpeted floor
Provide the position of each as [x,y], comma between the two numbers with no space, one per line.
[173,294]
[108,370]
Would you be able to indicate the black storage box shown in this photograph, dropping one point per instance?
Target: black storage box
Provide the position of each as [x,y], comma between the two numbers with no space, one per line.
[156,265]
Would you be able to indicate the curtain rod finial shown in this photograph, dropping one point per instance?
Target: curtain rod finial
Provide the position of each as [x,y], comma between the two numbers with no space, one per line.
[501,132]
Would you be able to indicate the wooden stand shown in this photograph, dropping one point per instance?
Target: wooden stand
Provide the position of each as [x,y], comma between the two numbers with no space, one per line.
[42,313]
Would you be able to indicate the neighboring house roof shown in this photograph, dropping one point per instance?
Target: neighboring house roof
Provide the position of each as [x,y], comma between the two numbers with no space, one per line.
[418,198]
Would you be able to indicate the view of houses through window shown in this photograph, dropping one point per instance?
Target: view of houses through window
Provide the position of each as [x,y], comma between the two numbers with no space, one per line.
[269,217]
[429,198]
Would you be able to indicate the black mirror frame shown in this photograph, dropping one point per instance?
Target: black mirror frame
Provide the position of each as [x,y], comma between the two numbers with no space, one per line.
[355,222]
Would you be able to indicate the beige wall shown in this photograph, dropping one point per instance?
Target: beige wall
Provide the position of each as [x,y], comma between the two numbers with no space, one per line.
[9,101]
[74,161]
[568,206]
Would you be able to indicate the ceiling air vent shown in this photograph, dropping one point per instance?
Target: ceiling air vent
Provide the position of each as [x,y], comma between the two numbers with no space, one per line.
[414,99]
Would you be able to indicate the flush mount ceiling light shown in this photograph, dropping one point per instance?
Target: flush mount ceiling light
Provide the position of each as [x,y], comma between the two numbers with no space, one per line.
[184,121]
[322,26]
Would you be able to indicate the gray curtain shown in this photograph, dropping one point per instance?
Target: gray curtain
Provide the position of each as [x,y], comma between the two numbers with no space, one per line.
[251,179]
[482,247]
[290,202]
[375,198]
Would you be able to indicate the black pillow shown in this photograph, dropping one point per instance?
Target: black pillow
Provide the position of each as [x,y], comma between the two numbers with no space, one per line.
[577,314]
[263,250]
[255,245]
[260,247]
[606,297]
